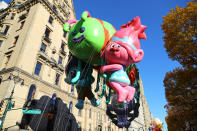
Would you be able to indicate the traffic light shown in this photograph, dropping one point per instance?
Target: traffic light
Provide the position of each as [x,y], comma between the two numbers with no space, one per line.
[2,107]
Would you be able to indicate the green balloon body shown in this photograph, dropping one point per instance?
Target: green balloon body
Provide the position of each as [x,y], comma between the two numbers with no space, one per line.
[88,37]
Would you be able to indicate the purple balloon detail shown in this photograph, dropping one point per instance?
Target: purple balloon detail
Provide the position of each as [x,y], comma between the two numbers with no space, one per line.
[78,39]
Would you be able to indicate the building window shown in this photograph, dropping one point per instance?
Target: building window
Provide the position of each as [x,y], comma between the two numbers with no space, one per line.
[15,41]
[79,112]
[90,113]
[98,116]
[47,32]
[50,19]
[12,17]
[62,46]
[38,68]
[43,47]
[79,125]
[54,8]
[63,6]
[31,93]
[70,106]
[8,58]
[6,30]
[100,128]
[22,24]
[57,78]
[0,84]
[60,60]
[1,42]
[90,128]
[72,88]
[22,16]
[64,35]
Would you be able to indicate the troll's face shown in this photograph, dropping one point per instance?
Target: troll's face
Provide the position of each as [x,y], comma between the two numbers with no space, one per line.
[124,48]
[87,38]
[115,53]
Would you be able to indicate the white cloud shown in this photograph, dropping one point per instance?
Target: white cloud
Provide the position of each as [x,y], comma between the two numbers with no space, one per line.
[3,5]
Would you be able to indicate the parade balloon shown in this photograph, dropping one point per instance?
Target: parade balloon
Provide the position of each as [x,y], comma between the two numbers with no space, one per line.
[88,37]
[96,44]
[121,52]
[157,124]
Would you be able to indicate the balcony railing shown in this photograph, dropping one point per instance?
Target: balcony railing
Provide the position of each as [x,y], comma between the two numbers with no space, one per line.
[63,52]
[47,39]
[44,56]
[3,16]
[53,62]
[60,66]
[23,16]
[2,34]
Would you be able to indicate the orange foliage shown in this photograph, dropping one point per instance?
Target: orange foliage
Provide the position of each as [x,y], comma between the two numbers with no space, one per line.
[180,37]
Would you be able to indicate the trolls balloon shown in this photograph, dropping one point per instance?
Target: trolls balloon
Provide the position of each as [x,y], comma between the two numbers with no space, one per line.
[82,80]
[96,43]
[88,37]
[157,124]
[122,51]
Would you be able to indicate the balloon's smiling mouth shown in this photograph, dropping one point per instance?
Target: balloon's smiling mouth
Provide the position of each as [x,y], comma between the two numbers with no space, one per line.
[78,39]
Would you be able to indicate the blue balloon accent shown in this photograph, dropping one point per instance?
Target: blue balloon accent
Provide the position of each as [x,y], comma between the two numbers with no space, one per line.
[104,75]
[74,80]
[125,40]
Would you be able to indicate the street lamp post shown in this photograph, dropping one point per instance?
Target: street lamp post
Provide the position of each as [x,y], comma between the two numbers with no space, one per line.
[10,104]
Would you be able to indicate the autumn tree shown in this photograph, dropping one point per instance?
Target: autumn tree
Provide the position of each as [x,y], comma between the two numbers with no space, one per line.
[181,94]
[180,37]
[180,28]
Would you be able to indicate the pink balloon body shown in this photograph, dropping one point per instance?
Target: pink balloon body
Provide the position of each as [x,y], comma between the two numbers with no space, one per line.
[122,51]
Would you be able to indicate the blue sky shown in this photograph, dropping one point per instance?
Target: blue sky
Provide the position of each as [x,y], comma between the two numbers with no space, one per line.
[156,62]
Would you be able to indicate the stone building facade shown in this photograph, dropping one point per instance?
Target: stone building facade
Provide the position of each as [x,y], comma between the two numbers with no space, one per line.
[33,46]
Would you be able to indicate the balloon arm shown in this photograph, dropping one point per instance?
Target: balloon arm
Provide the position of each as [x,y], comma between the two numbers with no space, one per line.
[108,97]
[110,68]
[66,27]
[98,82]
[76,78]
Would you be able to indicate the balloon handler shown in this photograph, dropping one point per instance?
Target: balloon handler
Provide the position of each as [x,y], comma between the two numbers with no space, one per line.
[80,74]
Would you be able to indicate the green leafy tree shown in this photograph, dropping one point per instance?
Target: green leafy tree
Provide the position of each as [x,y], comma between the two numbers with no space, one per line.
[180,37]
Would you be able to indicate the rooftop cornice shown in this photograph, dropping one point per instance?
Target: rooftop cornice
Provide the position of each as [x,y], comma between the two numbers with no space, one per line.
[60,18]
[30,3]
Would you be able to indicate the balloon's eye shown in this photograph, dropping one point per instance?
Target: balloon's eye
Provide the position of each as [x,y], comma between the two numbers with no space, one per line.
[112,45]
[74,33]
[118,46]
[82,29]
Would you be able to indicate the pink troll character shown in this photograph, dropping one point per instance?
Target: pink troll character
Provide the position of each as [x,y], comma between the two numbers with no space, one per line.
[122,51]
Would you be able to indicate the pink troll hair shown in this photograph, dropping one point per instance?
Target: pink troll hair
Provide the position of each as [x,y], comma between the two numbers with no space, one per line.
[71,21]
[136,26]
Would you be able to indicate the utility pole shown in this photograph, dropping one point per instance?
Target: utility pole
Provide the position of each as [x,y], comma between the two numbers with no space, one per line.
[10,104]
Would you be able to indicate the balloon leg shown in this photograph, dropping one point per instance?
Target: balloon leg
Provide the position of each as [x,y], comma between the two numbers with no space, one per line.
[131,93]
[121,92]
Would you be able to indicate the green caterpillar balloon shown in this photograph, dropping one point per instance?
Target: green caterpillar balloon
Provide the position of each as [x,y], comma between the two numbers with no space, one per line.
[88,35]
